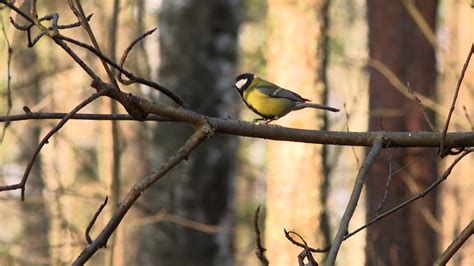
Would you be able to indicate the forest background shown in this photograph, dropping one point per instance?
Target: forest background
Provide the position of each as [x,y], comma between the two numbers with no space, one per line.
[367,58]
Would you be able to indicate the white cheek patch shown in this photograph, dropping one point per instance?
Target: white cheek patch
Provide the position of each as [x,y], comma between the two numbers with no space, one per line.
[240,83]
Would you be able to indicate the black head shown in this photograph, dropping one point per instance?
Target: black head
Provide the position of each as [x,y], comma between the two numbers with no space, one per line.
[243,81]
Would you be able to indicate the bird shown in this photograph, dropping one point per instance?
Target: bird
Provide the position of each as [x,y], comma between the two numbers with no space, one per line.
[271,101]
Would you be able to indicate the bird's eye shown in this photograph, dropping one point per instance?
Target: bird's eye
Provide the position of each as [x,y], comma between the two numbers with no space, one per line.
[240,83]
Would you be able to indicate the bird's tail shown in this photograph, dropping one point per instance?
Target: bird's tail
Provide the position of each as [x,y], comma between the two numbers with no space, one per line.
[302,105]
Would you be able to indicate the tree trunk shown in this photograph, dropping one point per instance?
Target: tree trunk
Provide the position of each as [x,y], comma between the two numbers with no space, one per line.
[406,238]
[456,194]
[198,56]
[34,243]
[295,171]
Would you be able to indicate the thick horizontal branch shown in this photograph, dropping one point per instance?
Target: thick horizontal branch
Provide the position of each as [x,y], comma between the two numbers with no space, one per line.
[234,127]
[161,112]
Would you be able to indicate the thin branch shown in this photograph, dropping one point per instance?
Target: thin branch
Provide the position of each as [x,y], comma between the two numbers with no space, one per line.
[22,184]
[116,145]
[9,77]
[203,132]
[60,40]
[359,183]
[81,116]
[422,109]
[77,9]
[442,151]
[129,75]
[94,218]
[388,184]
[420,21]
[468,118]
[401,87]
[348,130]
[260,252]
[456,244]
[127,51]
[295,242]
[421,194]
[306,253]
[74,25]
[162,216]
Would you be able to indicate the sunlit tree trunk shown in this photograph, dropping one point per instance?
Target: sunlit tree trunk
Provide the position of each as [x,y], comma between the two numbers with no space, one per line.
[295,171]
[456,196]
[407,237]
[197,61]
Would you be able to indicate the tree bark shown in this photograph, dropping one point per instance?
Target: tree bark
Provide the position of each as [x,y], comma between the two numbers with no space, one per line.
[295,170]
[406,238]
[456,195]
[197,59]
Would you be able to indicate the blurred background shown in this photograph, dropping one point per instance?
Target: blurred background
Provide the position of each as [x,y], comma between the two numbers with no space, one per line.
[359,56]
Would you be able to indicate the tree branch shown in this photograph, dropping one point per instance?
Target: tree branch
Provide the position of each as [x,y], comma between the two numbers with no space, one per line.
[383,215]
[203,132]
[160,112]
[351,206]
[456,244]
[443,151]
[22,184]
[260,250]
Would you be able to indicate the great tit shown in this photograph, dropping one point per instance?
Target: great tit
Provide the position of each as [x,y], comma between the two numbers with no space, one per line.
[271,101]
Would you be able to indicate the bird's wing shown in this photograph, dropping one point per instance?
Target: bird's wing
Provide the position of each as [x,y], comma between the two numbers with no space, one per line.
[273,90]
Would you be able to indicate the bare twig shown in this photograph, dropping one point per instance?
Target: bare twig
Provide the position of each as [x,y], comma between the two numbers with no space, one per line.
[468,118]
[22,184]
[127,51]
[90,116]
[306,253]
[9,77]
[94,218]
[74,25]
[456,244]
[387,185]
[129,75]
[76,7]
[60,40]
[260,252]
[359,183]
[116,147]
[442,151]
[401,87]
[348,130]
[421,194]
[422,109]
[162,216]
[420,21]
[295,242]
[203,132]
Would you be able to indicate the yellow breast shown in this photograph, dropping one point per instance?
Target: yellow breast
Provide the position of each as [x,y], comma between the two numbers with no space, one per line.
[268,107]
